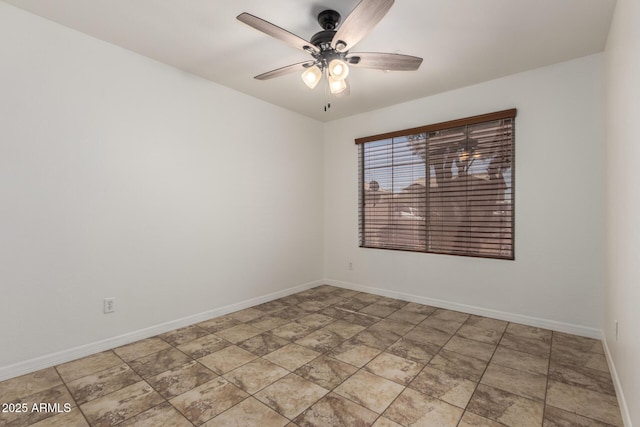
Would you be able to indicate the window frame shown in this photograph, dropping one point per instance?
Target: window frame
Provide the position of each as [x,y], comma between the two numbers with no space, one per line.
[448,125]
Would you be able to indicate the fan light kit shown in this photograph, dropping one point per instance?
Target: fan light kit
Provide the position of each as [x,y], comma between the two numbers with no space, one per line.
[330,47]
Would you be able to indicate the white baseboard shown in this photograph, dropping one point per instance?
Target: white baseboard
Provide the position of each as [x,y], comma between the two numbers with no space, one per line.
[480,311]
[624,409]
[46,361]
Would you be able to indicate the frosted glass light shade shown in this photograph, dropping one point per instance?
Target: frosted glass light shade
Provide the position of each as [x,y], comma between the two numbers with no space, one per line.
[338,69]
[311,76]
[337,86]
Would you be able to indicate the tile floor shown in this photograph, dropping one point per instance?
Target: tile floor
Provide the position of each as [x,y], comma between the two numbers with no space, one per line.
[331,357]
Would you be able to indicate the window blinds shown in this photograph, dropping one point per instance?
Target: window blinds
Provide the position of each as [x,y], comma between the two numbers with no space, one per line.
[444,188]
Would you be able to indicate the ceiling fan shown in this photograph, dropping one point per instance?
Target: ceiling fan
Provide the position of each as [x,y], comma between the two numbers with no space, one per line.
[330,48]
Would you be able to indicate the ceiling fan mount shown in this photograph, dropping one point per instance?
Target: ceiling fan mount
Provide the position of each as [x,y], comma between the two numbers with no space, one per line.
[329,19]
[330,48]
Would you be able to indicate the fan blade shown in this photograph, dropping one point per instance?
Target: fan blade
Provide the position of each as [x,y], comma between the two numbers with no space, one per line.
[360,21]
[284,70]
[384,61]
[276,32]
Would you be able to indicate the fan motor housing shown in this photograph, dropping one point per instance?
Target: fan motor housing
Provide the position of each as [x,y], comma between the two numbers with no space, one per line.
[322,38]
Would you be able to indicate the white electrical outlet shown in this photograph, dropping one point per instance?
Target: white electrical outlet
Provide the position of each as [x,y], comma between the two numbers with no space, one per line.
[109,305]
[350,265]
[616,330]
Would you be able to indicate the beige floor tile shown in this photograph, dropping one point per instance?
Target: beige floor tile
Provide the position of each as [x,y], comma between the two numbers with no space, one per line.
[179,380]
[246,315]
[271,306]
[394,368]
[88,365]
[161,361]
[227,359]
[391,302]
[351,304]
[369,390]
[378,310]
[321,340]
[293,313]
[354,354]
[530,332]
[579,343]
[73,418]
[292,356]
[202,346]
[121,405]
[255,375]
[208,400]
[140,349]
[522,383]
[326,371]
[183,335]
[335,410]
[263,344]
[450,316]
[291,395]
[102,383]
[397,326]
[536,346]
[385,422]
[574,356]
[361,319]
[414,350]
[29,384]
[161,415]
[57,396]
[266,323]
[591,379]
[487,336]
[554,417]
[419,308]
[469,419]
[428,335]
[412,408]
[366,298]
[486,323]
[449,388]
[526,362]
[449,327]
[506,408]
[471,348]
[249,412]
[218,324]
[344,329]
[459,364]
[587,403]
[315,320]
[292,331]
[376,338]
[239,333]
[407,316]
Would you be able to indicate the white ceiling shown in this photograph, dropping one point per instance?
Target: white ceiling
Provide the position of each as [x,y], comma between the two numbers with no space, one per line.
[462,42]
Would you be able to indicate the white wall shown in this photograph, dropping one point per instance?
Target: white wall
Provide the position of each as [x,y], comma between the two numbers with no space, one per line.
[622,201]
[556,277]
[122,177]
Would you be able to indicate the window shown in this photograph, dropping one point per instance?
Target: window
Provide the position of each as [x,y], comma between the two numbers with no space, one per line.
[445,188]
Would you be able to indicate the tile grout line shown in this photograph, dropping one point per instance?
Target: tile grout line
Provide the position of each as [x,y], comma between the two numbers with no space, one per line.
[483,372]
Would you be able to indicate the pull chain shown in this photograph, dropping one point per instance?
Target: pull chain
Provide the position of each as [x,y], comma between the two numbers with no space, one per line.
[327,104]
